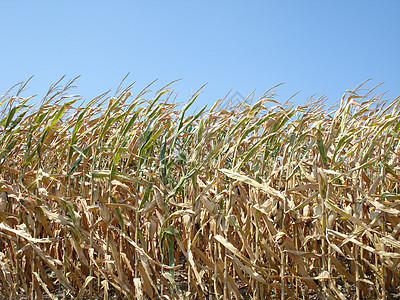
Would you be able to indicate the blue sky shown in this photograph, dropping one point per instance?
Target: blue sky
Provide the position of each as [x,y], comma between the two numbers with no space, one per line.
[316,47]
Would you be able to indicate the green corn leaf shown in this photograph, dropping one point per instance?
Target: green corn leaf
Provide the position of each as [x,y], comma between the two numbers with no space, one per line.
[82,153]
[146,194]
[119,215]
[321,147]
[61,112]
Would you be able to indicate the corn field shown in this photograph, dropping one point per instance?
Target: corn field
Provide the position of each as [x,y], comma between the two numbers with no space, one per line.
[132,197]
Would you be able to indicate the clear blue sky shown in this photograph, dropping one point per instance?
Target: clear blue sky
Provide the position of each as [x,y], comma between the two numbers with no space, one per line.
[321,47]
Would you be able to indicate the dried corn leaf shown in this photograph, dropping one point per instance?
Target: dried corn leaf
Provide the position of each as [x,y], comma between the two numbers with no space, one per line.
[23,234]
[51,262]
[44,286]
[85,284]
[252,182]
[247,269]
[384,208]
[138,288]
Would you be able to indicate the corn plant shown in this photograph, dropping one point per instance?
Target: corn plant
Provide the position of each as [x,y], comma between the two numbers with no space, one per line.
[134,197]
